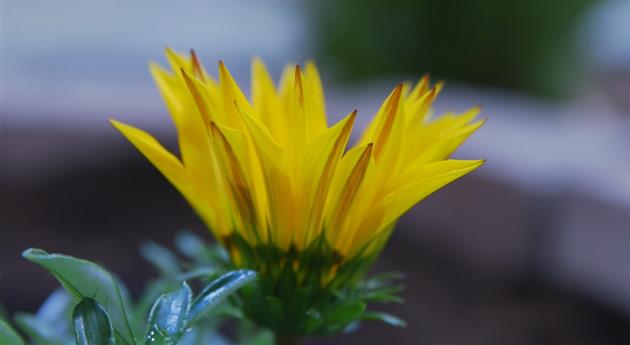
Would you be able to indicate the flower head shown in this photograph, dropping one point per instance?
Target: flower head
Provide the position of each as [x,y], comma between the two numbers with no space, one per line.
[280,187]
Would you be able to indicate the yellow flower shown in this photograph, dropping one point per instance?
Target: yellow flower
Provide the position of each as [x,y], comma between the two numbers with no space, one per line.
[271,171]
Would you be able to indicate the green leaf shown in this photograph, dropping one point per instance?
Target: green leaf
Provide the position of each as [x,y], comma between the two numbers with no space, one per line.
[189,244]
[168,317]
[218,290]
[50,325]
[201,272]
[55,313]
[313,320]
[163,259]
[204,336]
[55,307]
[92,325]
[3,313]
[381,298]
[385,317]
[8,336]
[40,332]
[153,290]
[343,315]
[82,278]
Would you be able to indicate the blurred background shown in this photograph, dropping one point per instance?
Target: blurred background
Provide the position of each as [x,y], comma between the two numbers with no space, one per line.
[534,248]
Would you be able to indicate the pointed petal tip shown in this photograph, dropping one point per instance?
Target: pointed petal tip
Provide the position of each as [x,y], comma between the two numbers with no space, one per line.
[476,164]
[196,65]
[223,71]
[187,78]
[298,73]
[397,92]
[115,123]
[351,118]
[155,67]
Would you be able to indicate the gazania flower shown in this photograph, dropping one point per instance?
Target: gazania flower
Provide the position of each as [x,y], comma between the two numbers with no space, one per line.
[283,190]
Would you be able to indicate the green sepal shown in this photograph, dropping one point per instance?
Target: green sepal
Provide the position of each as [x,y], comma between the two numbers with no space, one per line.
[84,279]
[92,324]
[312,291]
[343,315]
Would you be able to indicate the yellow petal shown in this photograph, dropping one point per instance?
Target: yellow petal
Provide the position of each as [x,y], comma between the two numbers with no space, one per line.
[231,95]
[315,84]
[197,68]
[380,127]
[178,61]
[198,97]
[267,106]
[428,179]
[168,165]
[348,193]
[320,164]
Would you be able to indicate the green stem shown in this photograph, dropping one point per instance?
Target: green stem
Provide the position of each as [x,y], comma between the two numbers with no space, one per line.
[286,340]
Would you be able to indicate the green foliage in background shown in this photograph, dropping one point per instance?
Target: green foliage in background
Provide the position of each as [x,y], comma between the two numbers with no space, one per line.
[523,44]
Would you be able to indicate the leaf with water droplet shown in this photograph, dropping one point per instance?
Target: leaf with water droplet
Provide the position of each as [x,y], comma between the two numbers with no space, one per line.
[168,317]
[82,278]
[92,325]
[218,290]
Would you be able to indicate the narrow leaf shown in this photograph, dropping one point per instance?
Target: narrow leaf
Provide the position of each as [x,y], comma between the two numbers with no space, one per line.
[345,314]
[163,259]
[82,278]
[56,307]
[54,314]
[39,331]
[385,317]
[92,325]
[218,290]
[8,336]
[189,244]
